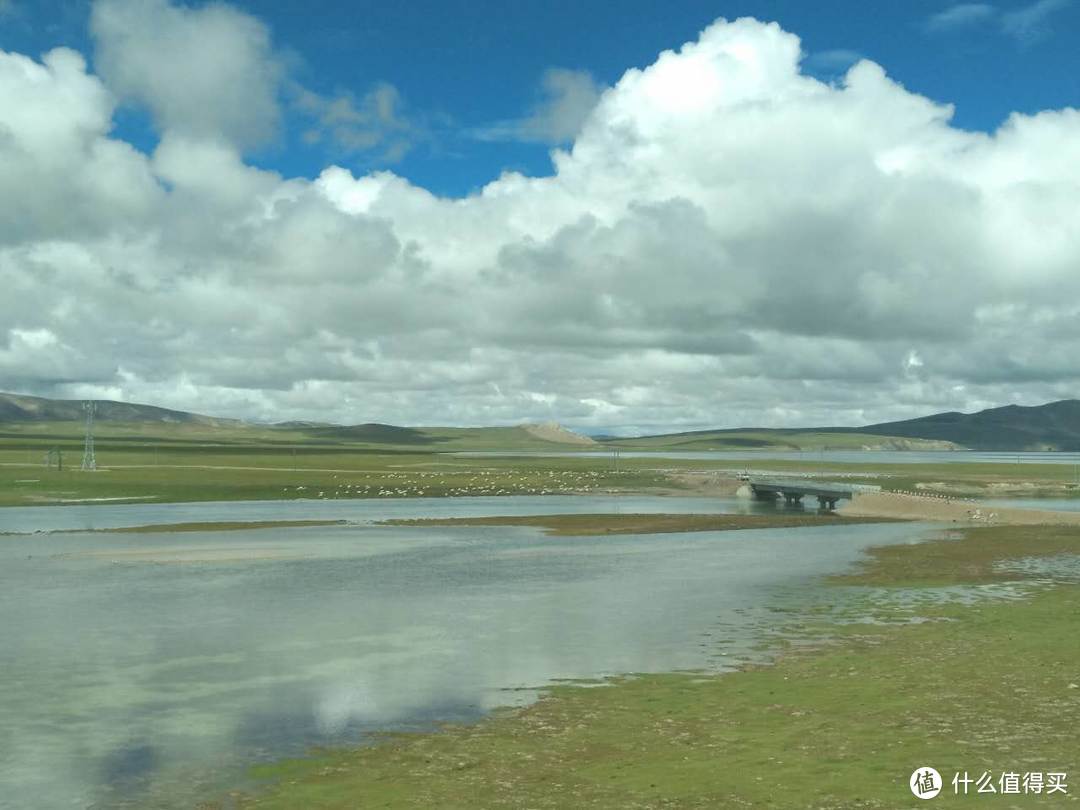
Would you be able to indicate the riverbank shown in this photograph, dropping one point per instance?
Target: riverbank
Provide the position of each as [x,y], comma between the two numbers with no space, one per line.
[220,473]
[944,509]
[903,677]
[585,525]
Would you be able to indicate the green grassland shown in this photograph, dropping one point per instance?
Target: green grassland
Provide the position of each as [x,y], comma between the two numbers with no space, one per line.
[992,686]
[190,462]
[193,463]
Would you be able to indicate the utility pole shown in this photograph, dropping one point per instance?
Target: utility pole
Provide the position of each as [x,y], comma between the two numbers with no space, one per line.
[88,460]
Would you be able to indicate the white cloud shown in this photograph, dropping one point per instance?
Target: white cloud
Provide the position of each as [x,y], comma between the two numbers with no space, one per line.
[727,241]
[567,99]
[62,176]
[207,72]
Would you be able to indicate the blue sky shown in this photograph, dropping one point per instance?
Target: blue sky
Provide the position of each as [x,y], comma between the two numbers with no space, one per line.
[463,65]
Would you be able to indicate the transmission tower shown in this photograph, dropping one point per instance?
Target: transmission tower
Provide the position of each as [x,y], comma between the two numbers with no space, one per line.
[88,460]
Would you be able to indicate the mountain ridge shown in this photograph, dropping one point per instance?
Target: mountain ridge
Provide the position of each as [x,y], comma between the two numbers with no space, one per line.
[1052,426]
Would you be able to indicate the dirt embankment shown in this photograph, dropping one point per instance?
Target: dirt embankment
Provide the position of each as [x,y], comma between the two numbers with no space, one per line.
[706,483]
[582,525]
[942,508]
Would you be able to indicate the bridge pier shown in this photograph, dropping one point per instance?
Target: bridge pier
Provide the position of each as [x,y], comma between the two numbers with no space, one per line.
[793,491]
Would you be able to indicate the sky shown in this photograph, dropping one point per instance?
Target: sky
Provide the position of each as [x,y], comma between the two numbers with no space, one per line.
[642,218]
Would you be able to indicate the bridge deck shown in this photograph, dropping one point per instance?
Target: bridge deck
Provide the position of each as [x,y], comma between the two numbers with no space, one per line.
[801,487]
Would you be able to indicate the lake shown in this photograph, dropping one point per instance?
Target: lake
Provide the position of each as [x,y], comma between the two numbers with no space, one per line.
[810,456]
[145,669]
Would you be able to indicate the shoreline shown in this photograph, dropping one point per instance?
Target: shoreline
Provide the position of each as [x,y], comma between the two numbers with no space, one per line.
[190,526]
[844,717]
[590,525]
[944,509]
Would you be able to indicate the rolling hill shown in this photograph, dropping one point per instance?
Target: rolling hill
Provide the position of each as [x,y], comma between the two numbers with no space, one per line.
[20,408]
[1053,426]
[57,419]
[779,439]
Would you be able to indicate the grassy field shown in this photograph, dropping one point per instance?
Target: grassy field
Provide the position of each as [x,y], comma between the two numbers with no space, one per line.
[992,686]
[259,472]
[192,463]
[217,476]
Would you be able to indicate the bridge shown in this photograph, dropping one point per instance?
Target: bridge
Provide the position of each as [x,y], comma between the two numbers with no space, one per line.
[793,490]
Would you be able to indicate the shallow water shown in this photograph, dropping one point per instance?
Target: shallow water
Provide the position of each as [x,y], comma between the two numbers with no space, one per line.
[116,515]
[838,456]
[141,665]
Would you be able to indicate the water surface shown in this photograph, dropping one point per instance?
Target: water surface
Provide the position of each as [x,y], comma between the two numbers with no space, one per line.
[142,666]
[120,515]
[838,456]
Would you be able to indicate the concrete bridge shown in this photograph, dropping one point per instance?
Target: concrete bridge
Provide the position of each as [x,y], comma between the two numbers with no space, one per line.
[793,490]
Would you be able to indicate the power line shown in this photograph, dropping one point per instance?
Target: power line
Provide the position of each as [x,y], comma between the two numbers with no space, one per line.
[88,460]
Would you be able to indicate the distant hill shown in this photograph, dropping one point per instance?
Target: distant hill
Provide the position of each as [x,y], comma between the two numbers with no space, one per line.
[59,418]
[792,440]
[528,437]
[554,432]
[19,408]
[1054,426]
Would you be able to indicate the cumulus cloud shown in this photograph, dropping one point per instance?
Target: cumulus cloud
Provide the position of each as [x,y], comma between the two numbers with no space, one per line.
[726,241]
[62,176]
[567,99]
[208,72]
